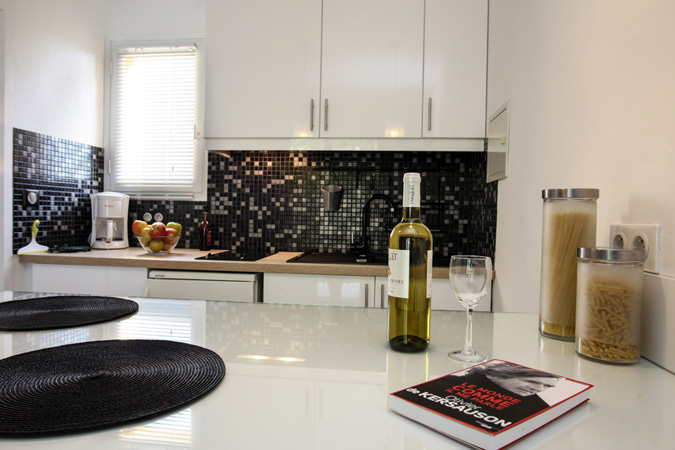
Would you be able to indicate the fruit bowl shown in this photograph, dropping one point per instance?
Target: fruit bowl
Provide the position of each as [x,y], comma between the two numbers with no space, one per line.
[158,245]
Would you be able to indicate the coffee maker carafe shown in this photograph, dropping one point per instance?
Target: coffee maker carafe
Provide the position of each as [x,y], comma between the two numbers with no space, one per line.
[109,215]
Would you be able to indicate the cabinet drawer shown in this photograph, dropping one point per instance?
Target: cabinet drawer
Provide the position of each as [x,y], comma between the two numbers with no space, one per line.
[330,290]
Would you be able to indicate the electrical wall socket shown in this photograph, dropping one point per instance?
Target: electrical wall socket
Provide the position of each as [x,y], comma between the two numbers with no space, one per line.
[647,236]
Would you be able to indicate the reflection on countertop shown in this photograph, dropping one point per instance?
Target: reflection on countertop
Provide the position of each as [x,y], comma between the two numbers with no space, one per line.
[315,377]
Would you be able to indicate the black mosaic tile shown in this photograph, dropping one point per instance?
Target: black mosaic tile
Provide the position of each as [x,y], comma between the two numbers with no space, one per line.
[269,200]
[65,173]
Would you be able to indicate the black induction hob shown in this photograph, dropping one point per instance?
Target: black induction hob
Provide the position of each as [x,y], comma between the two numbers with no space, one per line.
[252,255]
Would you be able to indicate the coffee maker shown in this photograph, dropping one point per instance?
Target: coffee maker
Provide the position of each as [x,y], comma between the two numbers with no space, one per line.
[109,215]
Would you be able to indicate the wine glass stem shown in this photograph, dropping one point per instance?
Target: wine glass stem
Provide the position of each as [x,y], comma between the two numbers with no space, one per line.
[468,346]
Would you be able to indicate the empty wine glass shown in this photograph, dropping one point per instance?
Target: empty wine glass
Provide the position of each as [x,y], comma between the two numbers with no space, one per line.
[470,278]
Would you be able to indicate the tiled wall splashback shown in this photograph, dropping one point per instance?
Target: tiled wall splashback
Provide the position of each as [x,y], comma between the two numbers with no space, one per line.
[270,200]
[65,173]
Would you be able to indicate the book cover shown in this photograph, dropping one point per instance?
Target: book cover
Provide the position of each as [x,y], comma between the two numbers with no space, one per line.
[490,405]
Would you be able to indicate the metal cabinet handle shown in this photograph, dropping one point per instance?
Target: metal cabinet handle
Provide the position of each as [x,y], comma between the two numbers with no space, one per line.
[311,115]
[429,114]
[366,295]
[382,296]
[325,115]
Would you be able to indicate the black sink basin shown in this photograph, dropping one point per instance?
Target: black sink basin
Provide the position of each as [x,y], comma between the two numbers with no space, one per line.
[339,258]
[348,258]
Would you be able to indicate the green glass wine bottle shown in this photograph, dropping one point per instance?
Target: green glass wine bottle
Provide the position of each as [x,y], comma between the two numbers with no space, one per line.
[410,262]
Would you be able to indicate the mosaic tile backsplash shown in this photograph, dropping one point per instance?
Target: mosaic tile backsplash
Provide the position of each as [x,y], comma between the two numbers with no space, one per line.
[65,173]
[268,201]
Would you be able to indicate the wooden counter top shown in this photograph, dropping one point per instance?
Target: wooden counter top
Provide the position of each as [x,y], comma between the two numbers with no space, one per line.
[184,259]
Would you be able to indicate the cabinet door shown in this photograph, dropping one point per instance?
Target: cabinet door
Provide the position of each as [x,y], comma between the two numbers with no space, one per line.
[442,297]
[92,280]
[455,68]
[372,60]
[263,61]
[330,290]
[381,292]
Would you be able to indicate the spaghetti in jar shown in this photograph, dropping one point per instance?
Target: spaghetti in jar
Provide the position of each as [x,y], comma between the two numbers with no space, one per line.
[569,221]
[609,301]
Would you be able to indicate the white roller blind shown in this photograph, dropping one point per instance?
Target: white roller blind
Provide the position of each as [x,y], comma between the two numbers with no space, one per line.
[154,120]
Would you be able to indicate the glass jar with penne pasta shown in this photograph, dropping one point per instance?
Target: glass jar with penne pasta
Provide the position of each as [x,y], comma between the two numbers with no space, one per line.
[609,300]
[569,221]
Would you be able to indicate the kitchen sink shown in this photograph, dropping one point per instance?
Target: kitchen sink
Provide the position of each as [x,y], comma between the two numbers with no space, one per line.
[339,258]
[348,258]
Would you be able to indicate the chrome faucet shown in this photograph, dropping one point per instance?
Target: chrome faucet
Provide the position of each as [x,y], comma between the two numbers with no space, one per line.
[362,246]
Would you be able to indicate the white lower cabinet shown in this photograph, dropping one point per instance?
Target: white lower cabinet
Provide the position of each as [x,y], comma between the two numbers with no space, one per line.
[442,297]
[330,290]
[93,280]
[339,290]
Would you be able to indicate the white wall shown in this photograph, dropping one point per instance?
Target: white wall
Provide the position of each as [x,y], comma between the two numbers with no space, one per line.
[6,115]
[53,84]
[59,48]
[155,18]
[591,88]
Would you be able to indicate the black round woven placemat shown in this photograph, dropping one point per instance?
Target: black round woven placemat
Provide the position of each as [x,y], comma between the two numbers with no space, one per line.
[62,311]
[96,384]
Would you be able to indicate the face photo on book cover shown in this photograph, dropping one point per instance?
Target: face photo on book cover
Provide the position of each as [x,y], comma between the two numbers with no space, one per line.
[520,382]
[493,395]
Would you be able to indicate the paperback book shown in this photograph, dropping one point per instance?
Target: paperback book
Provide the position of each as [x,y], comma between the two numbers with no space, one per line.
[490,405]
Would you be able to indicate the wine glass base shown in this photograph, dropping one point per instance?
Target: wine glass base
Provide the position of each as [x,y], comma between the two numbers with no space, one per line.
[468,357]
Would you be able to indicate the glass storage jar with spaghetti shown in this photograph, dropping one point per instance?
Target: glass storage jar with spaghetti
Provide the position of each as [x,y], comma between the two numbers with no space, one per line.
[609,301]
[569,221]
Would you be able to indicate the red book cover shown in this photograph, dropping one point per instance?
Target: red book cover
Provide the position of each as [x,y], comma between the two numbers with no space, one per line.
[490,405]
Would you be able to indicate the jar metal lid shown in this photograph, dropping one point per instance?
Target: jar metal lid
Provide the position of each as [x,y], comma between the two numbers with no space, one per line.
[637,255]
[570,193]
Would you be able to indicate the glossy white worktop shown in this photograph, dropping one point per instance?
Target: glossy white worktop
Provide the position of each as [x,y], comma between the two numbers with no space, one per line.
[311,377]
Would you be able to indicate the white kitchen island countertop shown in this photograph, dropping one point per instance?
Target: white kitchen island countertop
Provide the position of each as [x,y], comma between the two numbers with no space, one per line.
[315,377]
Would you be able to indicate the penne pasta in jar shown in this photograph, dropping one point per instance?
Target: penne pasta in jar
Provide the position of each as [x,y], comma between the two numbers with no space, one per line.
[609,301]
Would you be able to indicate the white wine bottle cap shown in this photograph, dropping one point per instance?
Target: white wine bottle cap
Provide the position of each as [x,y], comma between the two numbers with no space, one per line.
[411,190]
[412,177]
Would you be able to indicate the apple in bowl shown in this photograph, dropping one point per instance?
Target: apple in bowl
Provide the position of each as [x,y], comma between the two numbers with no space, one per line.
[157,239]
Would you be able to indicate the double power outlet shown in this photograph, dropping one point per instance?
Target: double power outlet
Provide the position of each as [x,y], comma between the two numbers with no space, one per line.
[647,236]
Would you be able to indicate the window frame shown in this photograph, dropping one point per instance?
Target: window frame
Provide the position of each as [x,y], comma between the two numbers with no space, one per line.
[200,161]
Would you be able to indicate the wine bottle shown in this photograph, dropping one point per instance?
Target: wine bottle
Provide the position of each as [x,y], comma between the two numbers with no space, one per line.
[410,262]
[205,233]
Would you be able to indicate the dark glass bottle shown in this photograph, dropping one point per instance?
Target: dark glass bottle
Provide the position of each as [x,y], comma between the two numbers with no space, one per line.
[205,242]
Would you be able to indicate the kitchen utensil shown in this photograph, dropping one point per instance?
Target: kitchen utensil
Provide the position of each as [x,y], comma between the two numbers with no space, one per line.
[33,246]
[70,249]
[332,197]
[470,278]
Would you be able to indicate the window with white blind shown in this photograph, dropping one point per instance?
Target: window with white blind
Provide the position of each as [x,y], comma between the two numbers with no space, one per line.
[156,102]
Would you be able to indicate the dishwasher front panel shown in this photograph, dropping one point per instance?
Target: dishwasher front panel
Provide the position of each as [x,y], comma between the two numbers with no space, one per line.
[192,285]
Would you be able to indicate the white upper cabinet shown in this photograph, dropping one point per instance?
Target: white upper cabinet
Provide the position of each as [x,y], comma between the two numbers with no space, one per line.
[263,62]
[455,68]
[352,74]
[372,64]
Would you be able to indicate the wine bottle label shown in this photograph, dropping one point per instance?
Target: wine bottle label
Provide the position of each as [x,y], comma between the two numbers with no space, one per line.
[411,195]
[430,256]
[399,273]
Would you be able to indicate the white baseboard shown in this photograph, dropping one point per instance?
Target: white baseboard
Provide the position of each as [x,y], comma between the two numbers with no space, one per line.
[658,320]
